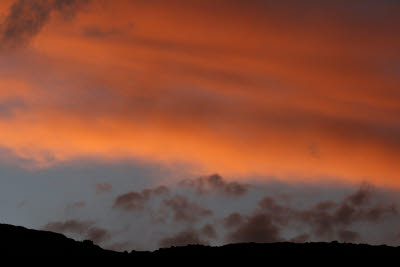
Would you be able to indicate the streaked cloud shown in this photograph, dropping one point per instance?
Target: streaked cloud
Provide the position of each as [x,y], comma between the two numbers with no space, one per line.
[294,96]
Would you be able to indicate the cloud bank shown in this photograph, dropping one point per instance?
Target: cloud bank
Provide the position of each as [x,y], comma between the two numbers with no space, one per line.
[162,216]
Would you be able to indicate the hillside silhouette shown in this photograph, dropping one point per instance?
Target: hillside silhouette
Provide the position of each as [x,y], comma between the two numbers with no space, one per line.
[21,244]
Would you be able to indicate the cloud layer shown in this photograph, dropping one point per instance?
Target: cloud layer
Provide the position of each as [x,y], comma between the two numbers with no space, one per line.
[164,216]
[287,89]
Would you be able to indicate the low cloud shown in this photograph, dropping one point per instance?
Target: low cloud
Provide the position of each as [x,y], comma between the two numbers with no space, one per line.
[209,231]
[348,236]
[182,219]
[362,196]
[325,219]
[216,183]
[234,219]
[97,235]
[84,229]
[257,228]
[136,200]
[185,210]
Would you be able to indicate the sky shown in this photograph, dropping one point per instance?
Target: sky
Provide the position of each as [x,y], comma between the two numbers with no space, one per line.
[144,124]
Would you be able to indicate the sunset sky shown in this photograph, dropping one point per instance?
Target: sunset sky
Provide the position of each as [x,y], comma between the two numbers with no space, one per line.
[150,123]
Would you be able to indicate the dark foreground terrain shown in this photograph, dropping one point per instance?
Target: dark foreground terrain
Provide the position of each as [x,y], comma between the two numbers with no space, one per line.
[32,246]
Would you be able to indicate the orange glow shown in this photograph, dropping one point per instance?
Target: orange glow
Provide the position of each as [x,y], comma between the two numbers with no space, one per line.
[225,87]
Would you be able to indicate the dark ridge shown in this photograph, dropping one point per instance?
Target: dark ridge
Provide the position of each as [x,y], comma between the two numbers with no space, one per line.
[21,244]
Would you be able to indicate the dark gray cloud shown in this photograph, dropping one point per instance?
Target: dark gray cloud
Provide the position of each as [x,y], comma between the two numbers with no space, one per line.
[324,219]
[27,18]
[348,236]
[216,183]
[85,229]
[256,228]
[209,231]
[185,210]
[191,236]
[181,217]
[188,237]
[233,219]
[270,219]
[136,200]
[131,201]
[362,196]
[97,235]
[279,213]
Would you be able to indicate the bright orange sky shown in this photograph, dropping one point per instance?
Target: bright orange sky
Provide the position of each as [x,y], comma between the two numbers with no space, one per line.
[235,87]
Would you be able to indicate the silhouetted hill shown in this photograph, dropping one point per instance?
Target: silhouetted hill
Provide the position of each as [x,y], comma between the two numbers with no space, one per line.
[21,244]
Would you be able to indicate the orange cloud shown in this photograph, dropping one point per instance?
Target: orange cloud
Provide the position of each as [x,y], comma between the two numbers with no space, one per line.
[230,87]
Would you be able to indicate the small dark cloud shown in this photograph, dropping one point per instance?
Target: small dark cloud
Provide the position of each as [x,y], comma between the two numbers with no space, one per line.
[216,183]
[232,220]
[377,212]
[257,228]
[320,221]
[27,18]
[345,214]
[209,231]
[362,196]
[102,188]
[136,200]
[278,212]
[185,210]
[97,235]
[188,237]
[130,201]
[68,8]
